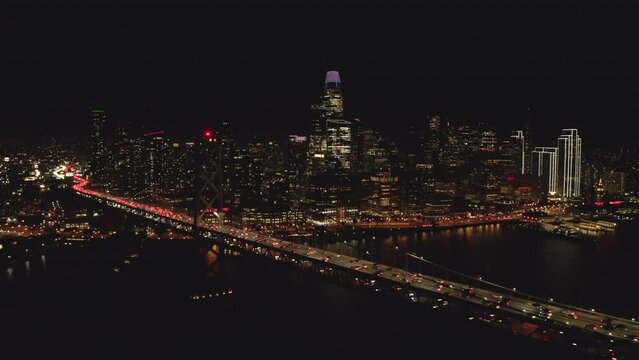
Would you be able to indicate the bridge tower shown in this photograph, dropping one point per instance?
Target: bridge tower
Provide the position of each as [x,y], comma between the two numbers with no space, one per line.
[209,200]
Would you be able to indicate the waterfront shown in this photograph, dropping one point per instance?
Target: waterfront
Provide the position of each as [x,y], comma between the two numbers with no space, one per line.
[150,299]
[599,274]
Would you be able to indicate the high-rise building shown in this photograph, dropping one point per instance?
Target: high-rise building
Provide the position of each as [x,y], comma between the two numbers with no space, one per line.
[569,164]
[228,143]
[339,135]
[157,163]
[330,106]
[127,161]
[99,155]
[180,171]
[612,182]
[272,181]
[544,166]
[520,141]
[368,149]
[430,145]
[383,194]
[331,157]
[457,148]
[295,168]
[246,175]
[488,141]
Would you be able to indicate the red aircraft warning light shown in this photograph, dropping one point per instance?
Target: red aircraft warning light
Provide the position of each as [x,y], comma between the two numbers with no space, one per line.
[208,134]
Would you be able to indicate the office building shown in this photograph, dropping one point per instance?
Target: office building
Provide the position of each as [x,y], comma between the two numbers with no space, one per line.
[544,166]
[569,165]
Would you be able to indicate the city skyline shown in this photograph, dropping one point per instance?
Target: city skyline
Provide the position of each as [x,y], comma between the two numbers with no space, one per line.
[342,168]
[331,180]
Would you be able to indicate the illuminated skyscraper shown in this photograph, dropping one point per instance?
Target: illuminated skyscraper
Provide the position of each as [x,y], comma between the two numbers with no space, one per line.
[569,164]
[330,106]
[157,163]
[99,157]
[544,165]
[331,156]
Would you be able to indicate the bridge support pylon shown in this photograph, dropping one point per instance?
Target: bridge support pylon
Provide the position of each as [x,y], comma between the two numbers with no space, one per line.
[208,199]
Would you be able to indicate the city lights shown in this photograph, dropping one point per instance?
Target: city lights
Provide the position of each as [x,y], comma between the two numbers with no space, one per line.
[285,184]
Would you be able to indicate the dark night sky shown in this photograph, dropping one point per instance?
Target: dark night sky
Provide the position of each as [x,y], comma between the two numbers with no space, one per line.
[260,65]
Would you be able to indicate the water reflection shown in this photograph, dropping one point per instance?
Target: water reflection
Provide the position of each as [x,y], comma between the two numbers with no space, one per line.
[577,272]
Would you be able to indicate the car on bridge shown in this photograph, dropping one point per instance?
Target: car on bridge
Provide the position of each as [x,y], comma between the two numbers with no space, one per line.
[505,301]
[632,337]
[469,291]
[490,303]
[545,312]
[439,286]
[610,325]
[568,313]
[502,300]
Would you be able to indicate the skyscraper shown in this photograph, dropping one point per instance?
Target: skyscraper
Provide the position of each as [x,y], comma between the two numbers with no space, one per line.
[295,168]
[431,141]
[98,148]
[569,164]
[331,156]
[128,160]
[339,143]
[544,165]
[228,143]
[518,136]
[330,106]
[157,163]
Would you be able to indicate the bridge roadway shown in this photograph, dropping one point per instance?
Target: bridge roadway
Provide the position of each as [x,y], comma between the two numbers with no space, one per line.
[539,311]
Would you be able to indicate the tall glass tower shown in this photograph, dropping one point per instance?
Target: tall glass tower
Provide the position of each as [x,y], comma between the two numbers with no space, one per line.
[330,107]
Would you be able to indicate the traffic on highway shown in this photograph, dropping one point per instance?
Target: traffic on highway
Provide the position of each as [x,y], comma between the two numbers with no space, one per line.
[503,301]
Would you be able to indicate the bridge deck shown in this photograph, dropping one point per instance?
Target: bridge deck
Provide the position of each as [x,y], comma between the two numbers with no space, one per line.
[563,315]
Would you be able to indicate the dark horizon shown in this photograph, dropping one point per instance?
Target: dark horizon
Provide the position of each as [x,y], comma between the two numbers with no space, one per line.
[261,69]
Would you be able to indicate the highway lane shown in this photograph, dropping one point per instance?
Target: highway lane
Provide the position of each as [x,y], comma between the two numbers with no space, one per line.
[564,315]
